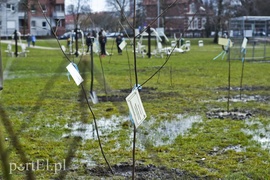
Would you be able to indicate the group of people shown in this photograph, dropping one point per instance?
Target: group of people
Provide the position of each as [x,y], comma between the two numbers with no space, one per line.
[102,39]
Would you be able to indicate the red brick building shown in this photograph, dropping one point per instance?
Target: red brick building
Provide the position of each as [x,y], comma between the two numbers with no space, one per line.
[31,17]
[186,17]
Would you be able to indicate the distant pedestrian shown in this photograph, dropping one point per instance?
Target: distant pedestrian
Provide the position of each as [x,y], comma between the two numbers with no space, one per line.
[119,40]
[94,33]
[88,42]
[69,42]
[102,41]
[29,39]
[33,40]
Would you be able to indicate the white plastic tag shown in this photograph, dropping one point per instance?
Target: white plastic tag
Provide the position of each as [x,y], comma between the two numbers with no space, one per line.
[244,44]
[122,45]
[136,107]
[224,42]
[75,74]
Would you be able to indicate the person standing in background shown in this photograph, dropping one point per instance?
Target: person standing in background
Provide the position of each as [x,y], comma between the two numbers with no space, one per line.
[88,41]
[102,41]
[118,40]
[29,39]
[33,40]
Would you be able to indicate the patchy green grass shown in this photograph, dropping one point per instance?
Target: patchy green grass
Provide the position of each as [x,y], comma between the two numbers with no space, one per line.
[39,104]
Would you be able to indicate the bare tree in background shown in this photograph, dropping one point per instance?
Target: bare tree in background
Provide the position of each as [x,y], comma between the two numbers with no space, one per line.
[77,9]
[209,25]
[253,8]
[223,10]
[24,7]
[119,6]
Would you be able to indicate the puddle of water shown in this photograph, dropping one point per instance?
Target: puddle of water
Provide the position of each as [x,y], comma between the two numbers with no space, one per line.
[236,148]
[244,98]
[87,131]
[261,134]
[150,132]
[167,131]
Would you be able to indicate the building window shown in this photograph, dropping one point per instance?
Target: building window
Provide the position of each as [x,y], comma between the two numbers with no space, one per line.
[185,9]
[192,8]
[59,7]
[33,24]
[44,24]
[43,6]
[10,7]
[33,8]
[195,24]
[190,24]
[203,23]
[0,24]
[59,23]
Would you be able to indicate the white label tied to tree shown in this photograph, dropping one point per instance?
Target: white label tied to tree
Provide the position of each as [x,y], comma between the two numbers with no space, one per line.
[225,42]
[122,45]
[136,107]
[244,44]
[75,74]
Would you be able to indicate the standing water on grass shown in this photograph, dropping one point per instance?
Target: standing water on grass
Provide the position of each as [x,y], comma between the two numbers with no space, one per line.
[87,130]
[150,132]
[167,130]
[259,132]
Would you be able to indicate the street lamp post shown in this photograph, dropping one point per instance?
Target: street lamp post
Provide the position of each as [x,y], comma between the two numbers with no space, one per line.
[158,12]
[76,42]
[149,41]
[6,22]
[1,73]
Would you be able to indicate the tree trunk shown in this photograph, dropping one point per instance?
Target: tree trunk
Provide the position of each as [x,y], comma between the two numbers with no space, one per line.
[220,9]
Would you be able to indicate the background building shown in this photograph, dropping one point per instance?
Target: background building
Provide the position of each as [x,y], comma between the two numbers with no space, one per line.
[257,30]
[9,17]
[250,26]
[185,17]
[27,16]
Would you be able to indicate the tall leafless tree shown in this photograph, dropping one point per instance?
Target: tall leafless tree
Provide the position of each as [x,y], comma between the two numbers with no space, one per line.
[77,9]
[121,7]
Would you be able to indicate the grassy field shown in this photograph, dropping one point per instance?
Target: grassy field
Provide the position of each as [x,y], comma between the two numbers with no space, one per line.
[40,109]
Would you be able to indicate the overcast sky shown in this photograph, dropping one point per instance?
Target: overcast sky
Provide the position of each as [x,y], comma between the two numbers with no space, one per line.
[95,5]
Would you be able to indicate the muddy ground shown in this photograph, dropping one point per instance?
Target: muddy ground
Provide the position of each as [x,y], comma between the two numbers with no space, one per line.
[142,172]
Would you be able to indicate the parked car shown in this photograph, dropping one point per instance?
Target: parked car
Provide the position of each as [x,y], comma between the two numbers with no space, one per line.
[114,34]
[68,35]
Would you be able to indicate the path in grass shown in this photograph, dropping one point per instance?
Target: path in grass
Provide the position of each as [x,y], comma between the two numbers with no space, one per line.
[35,47]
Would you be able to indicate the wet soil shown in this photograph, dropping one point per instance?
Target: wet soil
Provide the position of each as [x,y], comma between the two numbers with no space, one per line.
[142,172]
[146,93]
[237,114]
[247,88]
[233,114]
